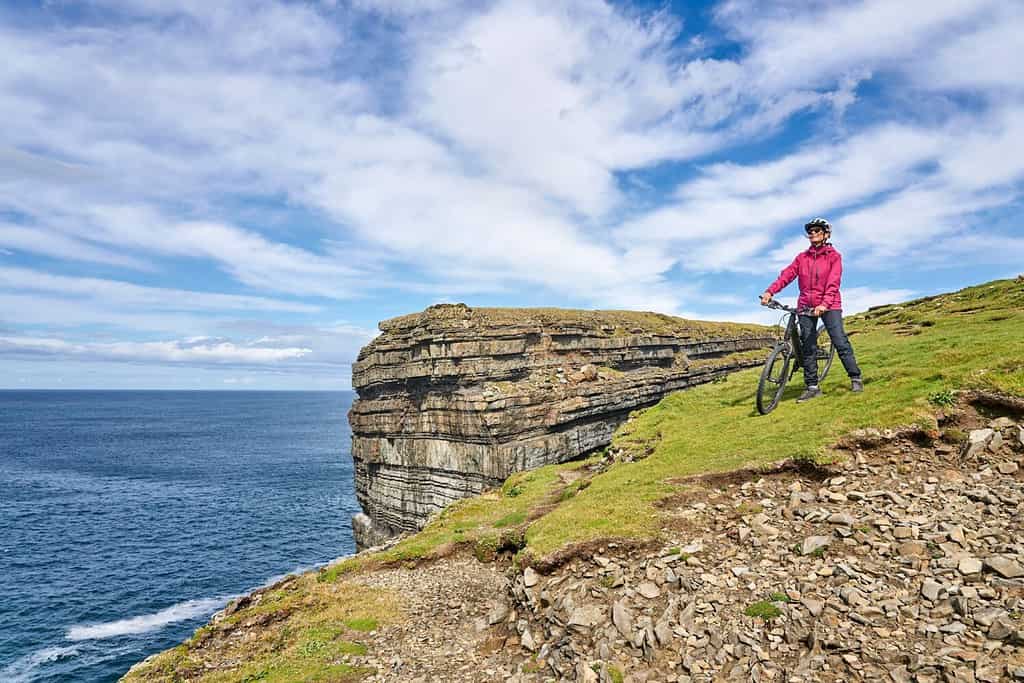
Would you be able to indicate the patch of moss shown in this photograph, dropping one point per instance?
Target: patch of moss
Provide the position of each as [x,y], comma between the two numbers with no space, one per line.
[362,624]
[946,398]
[335,571]
[953,435]
[763,609]
[573,489]
[511,519]
[346,647]
[486,549]
[748,508]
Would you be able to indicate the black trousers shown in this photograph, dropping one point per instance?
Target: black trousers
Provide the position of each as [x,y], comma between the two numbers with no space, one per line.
[809,341]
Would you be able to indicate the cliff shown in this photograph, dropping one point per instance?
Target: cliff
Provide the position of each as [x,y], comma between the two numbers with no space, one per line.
[454,399]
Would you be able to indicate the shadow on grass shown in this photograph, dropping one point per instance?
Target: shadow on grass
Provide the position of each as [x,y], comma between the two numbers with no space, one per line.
[744,399]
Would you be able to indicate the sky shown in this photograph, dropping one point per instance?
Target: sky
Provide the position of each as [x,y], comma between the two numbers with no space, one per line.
[231,194]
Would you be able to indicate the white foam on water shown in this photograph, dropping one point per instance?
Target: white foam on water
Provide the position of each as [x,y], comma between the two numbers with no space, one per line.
[183,611]
[23,669]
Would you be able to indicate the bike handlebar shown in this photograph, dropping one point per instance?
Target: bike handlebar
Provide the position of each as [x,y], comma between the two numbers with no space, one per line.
[783,307]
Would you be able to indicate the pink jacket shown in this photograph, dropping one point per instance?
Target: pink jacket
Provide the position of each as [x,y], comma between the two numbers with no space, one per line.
[819,270]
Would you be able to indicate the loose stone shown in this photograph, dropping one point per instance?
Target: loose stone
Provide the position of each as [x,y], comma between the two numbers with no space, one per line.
[530,577]
[930,590]
[814,543]
[969,565]
[1008,467]
[648,590]
[1005,567]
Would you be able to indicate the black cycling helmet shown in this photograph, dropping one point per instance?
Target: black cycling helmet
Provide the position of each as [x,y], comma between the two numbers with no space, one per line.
[819,223]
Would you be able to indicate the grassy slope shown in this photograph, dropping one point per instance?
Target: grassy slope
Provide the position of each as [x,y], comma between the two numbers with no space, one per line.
[909,352]
[618,323]
[971,339]
[306,630]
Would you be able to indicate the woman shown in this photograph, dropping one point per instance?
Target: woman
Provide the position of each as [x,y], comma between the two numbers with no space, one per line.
[819,270]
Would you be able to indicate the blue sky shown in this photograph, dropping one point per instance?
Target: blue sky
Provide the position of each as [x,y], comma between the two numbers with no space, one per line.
[220,195]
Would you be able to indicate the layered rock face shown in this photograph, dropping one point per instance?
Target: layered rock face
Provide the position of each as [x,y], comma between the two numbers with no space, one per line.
[453,400]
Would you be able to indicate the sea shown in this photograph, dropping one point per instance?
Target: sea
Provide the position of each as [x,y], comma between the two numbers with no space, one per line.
[127,518]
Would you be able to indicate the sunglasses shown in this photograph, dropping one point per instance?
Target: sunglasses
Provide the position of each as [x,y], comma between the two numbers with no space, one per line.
[811,231]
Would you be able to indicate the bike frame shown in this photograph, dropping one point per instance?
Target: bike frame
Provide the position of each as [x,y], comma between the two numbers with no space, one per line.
[793,334]
[789,352]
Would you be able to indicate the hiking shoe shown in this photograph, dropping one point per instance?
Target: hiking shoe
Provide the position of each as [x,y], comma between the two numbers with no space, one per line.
[856,385]
[809,393]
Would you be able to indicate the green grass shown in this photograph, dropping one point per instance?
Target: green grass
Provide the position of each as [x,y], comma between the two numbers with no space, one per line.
[468,522]
[315,628]
[943,399]
[763,609]
[610,322]
[511,519]
[292,672]
[364,624]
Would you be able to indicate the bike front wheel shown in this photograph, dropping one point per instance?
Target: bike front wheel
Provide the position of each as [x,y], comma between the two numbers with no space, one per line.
[774,377]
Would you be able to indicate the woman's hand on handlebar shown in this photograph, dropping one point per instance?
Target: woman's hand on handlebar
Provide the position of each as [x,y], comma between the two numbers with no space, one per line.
[766,298]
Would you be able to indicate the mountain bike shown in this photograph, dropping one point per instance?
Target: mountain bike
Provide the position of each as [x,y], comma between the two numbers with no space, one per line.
[787,357]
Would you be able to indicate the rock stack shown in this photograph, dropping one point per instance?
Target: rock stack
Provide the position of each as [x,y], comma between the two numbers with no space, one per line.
[453,400]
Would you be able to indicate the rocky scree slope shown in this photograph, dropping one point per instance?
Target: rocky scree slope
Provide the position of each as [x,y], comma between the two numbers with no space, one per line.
[455,399]
[901,562]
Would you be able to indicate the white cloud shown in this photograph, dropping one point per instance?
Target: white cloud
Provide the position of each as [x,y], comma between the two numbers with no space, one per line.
[859,299]
[813,44]
[983,59]
[730,213]
[55,312]
[124,294]
[161,352]
[428,147]
[935,177]
[57,245]
[595,93]
[406,8]
[855,300]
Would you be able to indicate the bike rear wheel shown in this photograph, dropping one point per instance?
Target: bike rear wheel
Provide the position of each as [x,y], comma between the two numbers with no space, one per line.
[774,376]
[824,355]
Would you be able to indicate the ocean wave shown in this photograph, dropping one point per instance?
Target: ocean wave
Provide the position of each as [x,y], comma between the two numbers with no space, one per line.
[183,611]
[23,668]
